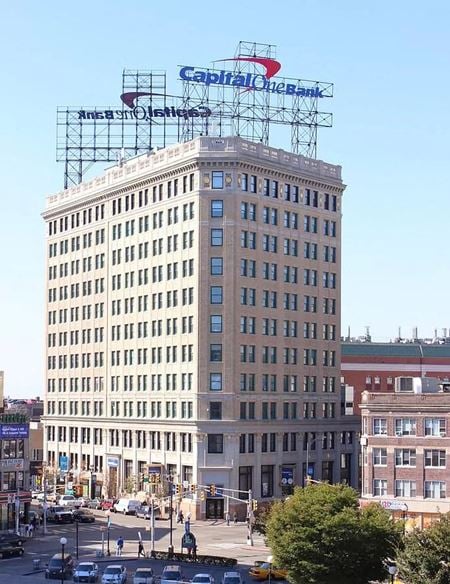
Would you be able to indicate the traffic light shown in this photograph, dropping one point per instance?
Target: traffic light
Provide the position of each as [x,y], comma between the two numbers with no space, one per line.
[254,505]
[157,478]
[212,490]
[178,489]
[202,495]
[193,488]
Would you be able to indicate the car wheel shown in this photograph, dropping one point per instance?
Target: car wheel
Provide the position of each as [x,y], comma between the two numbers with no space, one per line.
[20,552]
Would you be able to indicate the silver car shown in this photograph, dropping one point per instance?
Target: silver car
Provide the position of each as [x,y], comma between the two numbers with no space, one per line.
[202,579]
[114,574]
[86,572]
[143,576]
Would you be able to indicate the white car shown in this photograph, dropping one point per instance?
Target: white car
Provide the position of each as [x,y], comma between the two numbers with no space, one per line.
[231,578]
[143,576]
[86,572]
[114,574]
[171,574]
[202,579]
[126,506]
[69,501]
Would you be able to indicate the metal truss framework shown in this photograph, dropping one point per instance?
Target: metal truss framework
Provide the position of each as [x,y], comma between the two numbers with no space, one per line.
[234,111]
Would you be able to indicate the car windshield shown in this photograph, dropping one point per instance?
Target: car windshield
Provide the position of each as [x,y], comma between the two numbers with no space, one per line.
[232,580]
[144,573]
[112,570]
[56,563]
[171,576]
[201,579]
[85,568]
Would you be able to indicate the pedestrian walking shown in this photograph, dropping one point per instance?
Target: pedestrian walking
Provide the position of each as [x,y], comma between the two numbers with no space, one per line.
[119,546]
[235,518]
[180,517]
[141,549]
[30,530]
[227,517]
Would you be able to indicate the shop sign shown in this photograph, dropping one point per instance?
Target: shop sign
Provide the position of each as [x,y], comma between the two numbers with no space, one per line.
[11,464]
[11,431]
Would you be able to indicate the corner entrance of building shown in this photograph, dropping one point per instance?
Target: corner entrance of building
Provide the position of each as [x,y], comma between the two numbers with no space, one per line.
[214,508]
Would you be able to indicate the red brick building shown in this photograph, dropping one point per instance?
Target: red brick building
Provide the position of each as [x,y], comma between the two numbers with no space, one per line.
[367,366]
[405,445]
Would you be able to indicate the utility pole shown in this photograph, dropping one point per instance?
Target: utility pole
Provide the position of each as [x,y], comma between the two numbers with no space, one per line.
[170,550]
[152,529]
[249,518]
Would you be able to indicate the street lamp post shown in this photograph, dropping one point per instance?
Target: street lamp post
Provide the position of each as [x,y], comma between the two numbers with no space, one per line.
[63,542]
[269,561]
[392,571]
[76,535]
[108,525]
[170,481]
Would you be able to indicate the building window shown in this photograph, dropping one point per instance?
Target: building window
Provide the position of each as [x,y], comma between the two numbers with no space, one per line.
[215,353]
[216,267]
[215,410]
[405,427]
[267,480]
[379,456]
[215,323]
[379,427]
[216,294]
[405,457]
[434,427]
[215,381]
[245,480]
[216,237]
[215,443]
[434,490]
[435,458]
[405,488]
[380,488]
[217,179]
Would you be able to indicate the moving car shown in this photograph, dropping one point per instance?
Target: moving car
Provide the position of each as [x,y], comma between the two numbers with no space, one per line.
[57,568]
[83,516]
[7,550]
[86,572]
[69,501]
[262,570]
[171,574]
[143,511]
[143,576]
[95,503]
[12,539]
[202,579]
[59,514]
[114,574]
[126,506]
[231,578]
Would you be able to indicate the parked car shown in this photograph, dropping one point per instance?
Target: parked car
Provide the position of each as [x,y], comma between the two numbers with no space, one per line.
[94,503]
[262,570]
[36,494]
[143,576]
[107,504]
[8,549]
[232,578]
[57,568]
[171,574]
[116,574]
[83,515]
[202,579]
[126,506]
[83,501]
[12,539]
[58,514]
[86,572]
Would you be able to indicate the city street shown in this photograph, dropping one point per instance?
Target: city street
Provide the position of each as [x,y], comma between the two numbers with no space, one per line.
[213,538]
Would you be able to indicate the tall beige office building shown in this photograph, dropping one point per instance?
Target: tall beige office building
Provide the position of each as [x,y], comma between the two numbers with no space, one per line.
[193,321]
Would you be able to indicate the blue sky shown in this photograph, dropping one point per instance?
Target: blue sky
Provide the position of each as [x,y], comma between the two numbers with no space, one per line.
[390,65]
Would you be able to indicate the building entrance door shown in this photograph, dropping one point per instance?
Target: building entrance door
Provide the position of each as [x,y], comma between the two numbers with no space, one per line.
[214,508]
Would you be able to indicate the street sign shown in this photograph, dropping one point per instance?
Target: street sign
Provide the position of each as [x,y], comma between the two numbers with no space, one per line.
[394,505]
[69,491]
[188,541]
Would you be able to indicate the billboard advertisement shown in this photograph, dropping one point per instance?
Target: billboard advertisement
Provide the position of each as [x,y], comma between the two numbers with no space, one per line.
[12,431]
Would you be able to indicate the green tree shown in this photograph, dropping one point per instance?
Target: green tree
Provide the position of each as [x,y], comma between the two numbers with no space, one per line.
[425,556]
[322,536]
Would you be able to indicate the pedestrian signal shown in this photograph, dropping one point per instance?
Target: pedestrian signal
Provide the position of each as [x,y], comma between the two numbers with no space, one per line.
[254,505]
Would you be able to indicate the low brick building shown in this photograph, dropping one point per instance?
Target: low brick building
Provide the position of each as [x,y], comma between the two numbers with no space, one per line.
[406,451]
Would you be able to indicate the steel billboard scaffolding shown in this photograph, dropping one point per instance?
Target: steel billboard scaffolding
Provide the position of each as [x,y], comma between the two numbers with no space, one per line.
[233,110]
